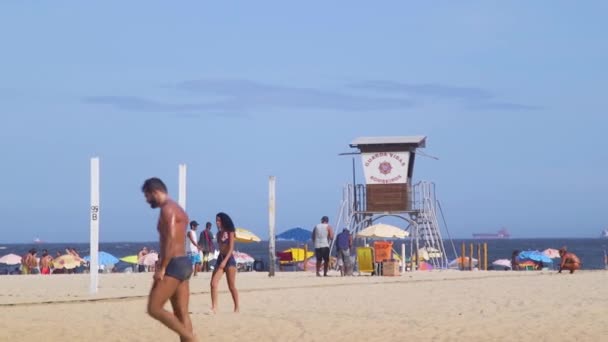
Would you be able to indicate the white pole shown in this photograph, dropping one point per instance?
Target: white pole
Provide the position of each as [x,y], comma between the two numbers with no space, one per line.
[181,199]
[403,257]
[271,224]
[94,247]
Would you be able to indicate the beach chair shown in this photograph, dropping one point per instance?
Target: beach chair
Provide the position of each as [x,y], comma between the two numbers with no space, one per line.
[365,260]
[285,260]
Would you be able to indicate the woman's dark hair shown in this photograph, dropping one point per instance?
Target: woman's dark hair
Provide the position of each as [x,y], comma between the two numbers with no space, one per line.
[227,223]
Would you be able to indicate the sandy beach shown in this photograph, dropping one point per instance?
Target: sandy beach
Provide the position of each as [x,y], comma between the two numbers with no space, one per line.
[422,306]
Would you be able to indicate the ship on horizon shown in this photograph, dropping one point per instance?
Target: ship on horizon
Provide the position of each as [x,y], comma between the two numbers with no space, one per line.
[501,234]
[604,234]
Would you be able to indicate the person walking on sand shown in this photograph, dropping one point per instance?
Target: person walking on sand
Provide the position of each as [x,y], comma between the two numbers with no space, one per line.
[192,248]
[225,262]
[172,275]
[344,243]
[569,261]
[205,242]
[322,234]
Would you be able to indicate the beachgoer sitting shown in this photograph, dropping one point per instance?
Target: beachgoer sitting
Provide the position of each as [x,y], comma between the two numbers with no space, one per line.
[569,261]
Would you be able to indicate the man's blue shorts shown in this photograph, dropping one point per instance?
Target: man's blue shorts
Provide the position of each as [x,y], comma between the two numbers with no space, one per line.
[195,258]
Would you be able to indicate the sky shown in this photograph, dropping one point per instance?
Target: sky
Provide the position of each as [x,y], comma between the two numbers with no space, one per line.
[511,96]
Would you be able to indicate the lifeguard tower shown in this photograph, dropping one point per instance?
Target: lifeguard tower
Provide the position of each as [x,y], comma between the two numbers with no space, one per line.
[388,165]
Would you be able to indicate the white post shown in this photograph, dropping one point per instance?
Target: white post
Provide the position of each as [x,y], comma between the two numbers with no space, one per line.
[181,197]
[94,247]
[403,257]
[271,224]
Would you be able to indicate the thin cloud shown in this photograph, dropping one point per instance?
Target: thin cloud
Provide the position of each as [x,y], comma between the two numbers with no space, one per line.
[225,97]
[471,97]
[240,95]
[426,89]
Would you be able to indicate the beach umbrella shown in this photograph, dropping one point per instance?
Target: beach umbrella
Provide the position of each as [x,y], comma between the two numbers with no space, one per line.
[10,259]
[66,261]
[149,259]
[131,259]
[535,256]
[456,263]
[244,235]
[384,231]
[295,234]
[242,258]
[502,263]
[298,253]
[104,258]
[552,253]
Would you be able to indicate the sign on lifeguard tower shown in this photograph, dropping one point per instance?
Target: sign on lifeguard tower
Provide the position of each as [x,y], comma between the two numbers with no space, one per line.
[388,165]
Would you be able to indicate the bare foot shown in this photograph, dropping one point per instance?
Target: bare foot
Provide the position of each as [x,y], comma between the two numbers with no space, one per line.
[237,310]
[211,312]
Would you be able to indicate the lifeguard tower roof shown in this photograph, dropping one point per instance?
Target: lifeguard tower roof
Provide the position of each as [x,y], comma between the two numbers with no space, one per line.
[416,141]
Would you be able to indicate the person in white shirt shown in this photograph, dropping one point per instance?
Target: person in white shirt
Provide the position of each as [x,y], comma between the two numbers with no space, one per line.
[192,248]
[322,235]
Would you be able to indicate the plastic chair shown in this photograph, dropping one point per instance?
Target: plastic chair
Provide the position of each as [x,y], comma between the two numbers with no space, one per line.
[365,260]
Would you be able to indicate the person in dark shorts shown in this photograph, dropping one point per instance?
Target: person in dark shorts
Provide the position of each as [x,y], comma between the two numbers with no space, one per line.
[344,242]
[174,267]
[225,262]
[205,242]
[322,234]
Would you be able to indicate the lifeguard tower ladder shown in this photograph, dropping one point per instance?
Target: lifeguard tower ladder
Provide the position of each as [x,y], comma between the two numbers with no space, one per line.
[388,164]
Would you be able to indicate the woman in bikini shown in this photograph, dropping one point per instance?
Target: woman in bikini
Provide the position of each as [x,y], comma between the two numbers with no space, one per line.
[225,261]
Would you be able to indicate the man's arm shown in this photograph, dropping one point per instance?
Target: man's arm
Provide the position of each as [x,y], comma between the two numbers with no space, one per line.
[191,238]
[350,241]
[169,219]
[330,233]
[313,234]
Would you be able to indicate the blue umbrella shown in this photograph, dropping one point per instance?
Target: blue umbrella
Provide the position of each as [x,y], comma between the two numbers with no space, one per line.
[535,256]
[295,234]
[104,258]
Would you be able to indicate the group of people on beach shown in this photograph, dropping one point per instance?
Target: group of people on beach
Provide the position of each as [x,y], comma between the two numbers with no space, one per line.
[32,264]
[568,261]
[177,262]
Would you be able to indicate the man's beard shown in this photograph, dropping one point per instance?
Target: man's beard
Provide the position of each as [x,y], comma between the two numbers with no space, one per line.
[153,203]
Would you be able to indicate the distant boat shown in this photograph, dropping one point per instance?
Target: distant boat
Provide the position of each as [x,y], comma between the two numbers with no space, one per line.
[604,234]
[501,234]
[37,240]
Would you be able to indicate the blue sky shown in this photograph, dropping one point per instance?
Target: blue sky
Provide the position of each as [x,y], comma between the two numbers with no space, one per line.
[510,94]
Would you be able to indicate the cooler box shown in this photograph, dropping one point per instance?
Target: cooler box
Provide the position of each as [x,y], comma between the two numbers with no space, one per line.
[391,268]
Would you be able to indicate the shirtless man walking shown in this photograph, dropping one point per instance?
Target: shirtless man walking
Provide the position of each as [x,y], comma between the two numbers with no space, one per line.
[174,267]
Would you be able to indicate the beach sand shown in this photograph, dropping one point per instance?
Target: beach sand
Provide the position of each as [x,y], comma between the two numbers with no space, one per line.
[421,306]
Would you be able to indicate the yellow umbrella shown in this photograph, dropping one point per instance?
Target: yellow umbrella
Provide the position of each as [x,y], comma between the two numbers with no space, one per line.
[383,231]
[243,235]
[298,254]
[66,261]
[131,259]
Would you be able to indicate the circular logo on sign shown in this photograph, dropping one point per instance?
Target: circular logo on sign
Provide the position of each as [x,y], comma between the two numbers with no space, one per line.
[385,168]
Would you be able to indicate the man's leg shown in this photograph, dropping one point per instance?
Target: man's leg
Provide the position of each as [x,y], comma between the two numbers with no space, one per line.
[326,263]
[161,292]
[319,257]
[179,302]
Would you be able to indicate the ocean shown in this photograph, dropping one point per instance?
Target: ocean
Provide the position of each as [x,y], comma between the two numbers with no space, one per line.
[590,251]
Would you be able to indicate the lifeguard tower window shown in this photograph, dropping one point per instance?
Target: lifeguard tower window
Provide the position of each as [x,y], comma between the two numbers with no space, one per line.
[388,164]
